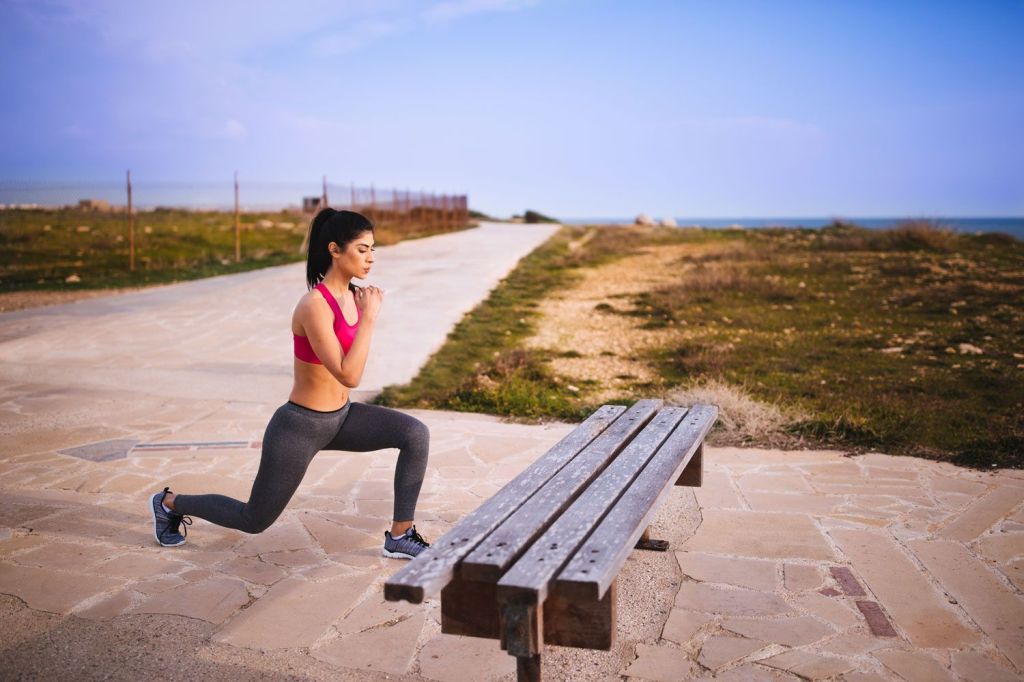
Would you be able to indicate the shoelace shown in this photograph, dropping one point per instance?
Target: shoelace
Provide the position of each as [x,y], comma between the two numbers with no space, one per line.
[177,521]
[417,538]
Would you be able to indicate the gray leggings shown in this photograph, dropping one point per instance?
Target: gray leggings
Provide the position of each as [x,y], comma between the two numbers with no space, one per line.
[293,437]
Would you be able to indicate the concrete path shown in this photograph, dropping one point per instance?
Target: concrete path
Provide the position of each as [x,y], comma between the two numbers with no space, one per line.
[787,565]
[228,338]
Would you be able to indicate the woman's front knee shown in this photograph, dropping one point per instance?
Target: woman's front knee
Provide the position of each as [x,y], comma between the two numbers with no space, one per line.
[417,437]
[257,526]
[420,433]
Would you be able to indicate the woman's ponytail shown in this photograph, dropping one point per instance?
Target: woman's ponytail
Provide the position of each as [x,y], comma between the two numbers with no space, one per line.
[317,257]
[328,226]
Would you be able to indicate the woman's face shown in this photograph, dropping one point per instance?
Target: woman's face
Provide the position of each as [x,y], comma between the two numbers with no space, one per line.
[357,258]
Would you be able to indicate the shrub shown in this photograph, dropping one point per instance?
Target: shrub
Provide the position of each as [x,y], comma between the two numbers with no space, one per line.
[535,217]
[913,235]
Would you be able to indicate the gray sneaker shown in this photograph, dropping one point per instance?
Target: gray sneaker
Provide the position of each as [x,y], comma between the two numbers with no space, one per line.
[405,546]
[166,525]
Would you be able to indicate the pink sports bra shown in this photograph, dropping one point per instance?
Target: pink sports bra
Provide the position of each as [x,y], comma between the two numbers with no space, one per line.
[345,332]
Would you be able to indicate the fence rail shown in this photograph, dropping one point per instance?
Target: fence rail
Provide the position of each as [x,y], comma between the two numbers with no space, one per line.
[401,212]
[401,208]
[254,196]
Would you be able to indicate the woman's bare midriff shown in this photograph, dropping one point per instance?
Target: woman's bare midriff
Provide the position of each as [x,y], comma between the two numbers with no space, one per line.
[316,389]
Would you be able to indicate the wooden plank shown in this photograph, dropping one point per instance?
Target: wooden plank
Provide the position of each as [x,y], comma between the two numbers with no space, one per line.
[470,608]
[495,553]
[528,579]
[581,623]
[595,564]
[693,474]
[435,567]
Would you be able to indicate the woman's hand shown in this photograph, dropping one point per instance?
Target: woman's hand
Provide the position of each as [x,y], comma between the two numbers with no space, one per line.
[368,299]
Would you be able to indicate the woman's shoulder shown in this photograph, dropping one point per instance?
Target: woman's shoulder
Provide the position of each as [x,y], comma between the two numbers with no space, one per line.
[312,302]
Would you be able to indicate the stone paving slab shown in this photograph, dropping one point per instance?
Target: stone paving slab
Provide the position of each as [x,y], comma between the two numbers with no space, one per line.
[740,609]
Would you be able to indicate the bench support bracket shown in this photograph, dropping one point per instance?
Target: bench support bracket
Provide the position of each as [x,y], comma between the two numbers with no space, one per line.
[647,542]
[693,473]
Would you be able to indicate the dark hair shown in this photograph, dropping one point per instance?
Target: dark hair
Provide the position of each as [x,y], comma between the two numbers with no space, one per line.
[341,227]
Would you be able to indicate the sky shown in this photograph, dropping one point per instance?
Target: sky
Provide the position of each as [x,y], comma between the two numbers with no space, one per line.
[573,108]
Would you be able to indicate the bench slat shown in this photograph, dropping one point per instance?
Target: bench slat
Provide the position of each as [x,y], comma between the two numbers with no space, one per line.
[528,579]
[490,559]
[592,569]
[434,568]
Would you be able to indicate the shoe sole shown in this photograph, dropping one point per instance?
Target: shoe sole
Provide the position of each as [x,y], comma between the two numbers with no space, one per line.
[397,555]
[152,512]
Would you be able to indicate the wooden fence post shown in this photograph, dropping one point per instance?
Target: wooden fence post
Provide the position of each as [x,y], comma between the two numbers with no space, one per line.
[131,227]
[238,225]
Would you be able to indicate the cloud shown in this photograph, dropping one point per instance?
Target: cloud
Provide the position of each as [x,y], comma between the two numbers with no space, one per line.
[355,38]
[233,129]
[454,9]
[197,29]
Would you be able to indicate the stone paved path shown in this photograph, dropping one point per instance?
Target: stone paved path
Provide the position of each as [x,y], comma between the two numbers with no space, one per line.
[787,565]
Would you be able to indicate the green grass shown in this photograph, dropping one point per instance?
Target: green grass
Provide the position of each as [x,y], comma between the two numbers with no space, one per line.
[41,248]
[860,331]
[482,367]
[864,335]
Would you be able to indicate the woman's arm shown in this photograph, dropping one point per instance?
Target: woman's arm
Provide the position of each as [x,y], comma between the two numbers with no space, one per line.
[317,320]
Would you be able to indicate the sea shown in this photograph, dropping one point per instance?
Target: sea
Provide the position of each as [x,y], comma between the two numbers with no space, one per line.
[1011,226]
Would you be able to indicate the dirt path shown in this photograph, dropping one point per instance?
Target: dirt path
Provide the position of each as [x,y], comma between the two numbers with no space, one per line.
[20,300]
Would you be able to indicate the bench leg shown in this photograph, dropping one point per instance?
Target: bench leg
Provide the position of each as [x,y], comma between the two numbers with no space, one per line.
[646,542]
[528,668]
[524,638]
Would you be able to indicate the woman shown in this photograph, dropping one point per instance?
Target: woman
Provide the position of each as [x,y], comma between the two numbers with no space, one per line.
[330,355]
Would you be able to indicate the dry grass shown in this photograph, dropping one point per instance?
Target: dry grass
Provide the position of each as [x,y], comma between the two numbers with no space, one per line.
[742,420]
[909,235]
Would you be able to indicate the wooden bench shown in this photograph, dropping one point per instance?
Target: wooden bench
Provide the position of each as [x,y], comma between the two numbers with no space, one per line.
[537,562]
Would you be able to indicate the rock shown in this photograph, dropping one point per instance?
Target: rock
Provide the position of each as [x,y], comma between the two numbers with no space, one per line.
[668,222]
[970,349]
[644,219]
[265,224]
[72,279]
[82,228]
